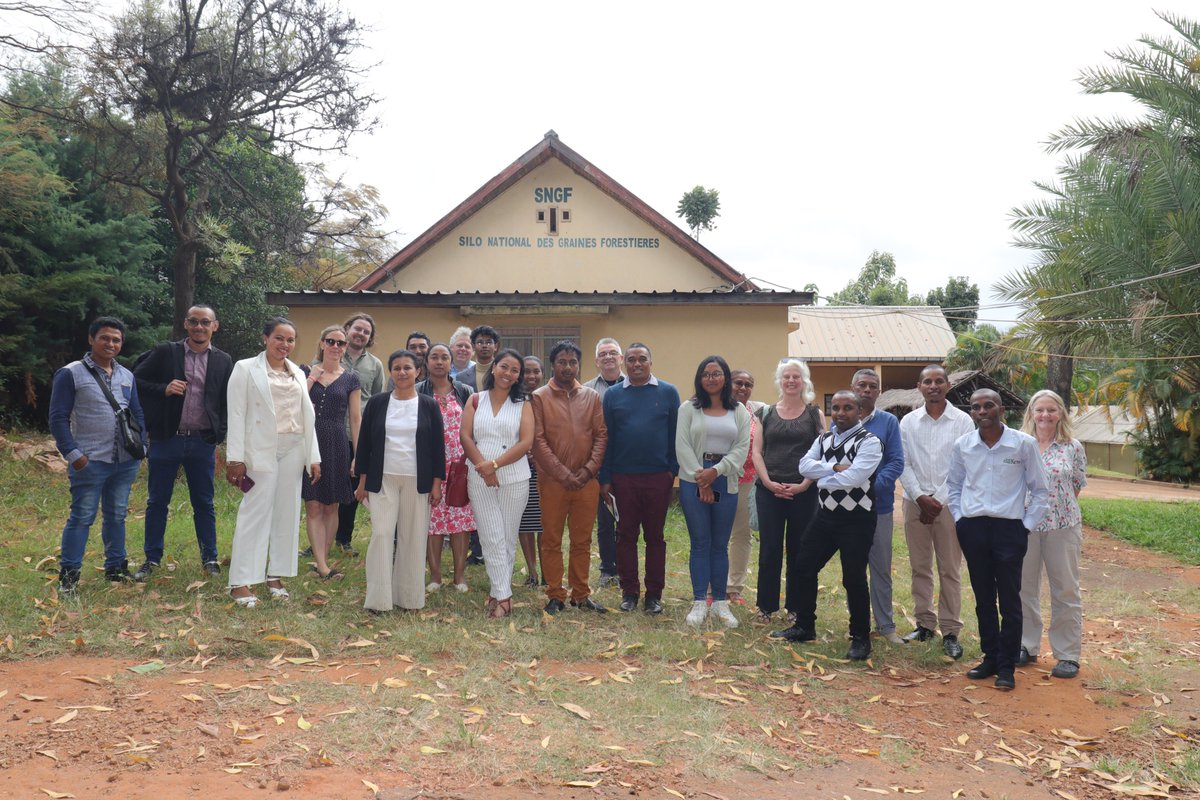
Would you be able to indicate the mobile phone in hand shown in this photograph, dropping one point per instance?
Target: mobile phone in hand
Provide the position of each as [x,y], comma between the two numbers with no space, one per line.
[246,483]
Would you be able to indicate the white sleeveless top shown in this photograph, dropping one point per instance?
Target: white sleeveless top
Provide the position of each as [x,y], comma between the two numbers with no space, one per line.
[493,434]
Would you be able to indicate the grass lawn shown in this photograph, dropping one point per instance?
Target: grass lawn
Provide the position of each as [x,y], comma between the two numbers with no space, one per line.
[1172,528]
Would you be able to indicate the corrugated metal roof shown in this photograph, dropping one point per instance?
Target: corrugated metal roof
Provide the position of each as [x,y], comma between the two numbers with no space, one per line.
[869,333]
[1093,424]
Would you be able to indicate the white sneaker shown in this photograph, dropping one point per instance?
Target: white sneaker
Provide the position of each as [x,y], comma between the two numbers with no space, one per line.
[720,609]
[433,587]
[461,587]
[894,638]
[696,616]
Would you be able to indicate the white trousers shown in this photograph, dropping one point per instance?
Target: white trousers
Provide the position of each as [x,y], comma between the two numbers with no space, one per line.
[396,554]
[739,539]
[268,520]
[1059,551]
[497,517]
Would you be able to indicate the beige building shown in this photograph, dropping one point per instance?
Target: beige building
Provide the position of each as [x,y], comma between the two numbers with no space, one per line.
[897,341]
[553,248]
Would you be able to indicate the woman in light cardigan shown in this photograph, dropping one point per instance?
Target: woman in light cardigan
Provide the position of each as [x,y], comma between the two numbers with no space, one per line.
[271,439]
[712,439]
[400,463]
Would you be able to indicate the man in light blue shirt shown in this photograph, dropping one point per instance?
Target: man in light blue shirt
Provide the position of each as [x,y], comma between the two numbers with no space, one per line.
[997,494]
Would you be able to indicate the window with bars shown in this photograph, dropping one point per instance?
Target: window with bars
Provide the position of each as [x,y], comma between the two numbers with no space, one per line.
[533,341]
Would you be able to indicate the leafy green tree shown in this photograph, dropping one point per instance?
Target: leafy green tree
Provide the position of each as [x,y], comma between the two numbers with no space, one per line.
[699,208]
[985,349]
[66,257]
[877,285]
[961,297]
[173,84]
[1116,239]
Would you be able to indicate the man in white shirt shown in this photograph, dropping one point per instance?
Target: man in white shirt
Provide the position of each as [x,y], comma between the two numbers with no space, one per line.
[608,362]
[928,434]
[997,493]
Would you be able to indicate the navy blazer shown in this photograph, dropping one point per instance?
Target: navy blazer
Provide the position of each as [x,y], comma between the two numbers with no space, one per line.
[164,363]
[372,442]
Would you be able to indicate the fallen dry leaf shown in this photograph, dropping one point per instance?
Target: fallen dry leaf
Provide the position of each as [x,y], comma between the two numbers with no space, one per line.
[586,784]
[65,718]
[578,711]
[56,795]
[374,789]
[431,751]
[303,724]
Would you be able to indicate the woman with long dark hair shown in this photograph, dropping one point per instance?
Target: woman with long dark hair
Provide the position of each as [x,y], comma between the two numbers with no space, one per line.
[497,432]
[712,438]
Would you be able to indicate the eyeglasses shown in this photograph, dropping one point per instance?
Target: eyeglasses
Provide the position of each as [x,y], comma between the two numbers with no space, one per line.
[199,323]
[744,384]
[335,342]
[712,376]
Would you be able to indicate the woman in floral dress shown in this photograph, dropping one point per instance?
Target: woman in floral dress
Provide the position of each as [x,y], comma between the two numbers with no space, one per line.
[447,520]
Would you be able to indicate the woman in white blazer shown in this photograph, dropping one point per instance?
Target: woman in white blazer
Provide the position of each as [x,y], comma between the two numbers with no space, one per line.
[271,439]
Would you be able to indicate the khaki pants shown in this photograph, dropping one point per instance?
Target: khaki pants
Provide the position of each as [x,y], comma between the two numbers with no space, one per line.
[925,542]
[396,555]
[1059,550]
[739,540]
[577,511]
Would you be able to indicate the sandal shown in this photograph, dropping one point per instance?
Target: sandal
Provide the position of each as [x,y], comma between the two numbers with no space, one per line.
[245,601]
[277,592]
[502,608]
[532,582]
[332,575]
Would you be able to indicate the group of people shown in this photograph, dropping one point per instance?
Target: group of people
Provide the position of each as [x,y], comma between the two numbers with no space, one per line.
[466,440]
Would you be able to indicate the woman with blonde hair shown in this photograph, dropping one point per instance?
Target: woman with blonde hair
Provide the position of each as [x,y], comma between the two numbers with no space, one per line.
[785,499]
[1057,541]
[334,392]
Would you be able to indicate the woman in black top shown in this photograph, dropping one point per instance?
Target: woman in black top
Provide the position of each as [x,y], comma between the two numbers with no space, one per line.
[786,501]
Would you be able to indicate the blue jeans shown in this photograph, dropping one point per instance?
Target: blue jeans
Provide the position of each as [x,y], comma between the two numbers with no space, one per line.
[709,526]
[197,457]
[98,485]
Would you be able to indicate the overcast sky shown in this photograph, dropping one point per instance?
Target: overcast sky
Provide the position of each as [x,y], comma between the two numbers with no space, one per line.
[830,130]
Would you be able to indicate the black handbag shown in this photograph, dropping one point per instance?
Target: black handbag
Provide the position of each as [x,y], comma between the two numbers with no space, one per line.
[127,424]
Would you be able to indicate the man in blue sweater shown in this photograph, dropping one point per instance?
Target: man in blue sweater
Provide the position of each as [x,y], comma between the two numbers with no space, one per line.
[639,469]
[886,428]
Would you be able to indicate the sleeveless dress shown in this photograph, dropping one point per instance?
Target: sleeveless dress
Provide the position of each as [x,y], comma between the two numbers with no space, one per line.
[443,518]
[330,404]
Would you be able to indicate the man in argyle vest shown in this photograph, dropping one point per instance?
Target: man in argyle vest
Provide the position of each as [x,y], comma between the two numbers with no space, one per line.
[843,463]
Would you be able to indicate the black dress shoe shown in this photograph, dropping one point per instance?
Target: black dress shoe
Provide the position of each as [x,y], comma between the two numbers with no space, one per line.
[985,669]
[212,568]
[1065,669]
[588,604]
[795,633]
[629,603]
[553,607]
[951,646]
[1005,681]
[652,605]
[475,560]
[860,649]
[1025,657]
[921,634]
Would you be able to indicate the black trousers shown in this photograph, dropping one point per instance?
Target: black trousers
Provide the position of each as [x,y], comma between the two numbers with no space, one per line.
[780,523]
[995,550]
[849,534]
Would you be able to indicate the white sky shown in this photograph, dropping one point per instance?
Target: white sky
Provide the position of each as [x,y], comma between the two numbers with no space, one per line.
[829,131]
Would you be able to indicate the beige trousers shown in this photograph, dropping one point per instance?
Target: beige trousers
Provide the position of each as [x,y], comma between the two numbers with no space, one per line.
[396,554]
[926,542]
[739,540]
[1059,550]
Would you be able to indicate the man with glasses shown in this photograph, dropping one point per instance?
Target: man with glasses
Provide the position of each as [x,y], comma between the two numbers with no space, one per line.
[360,336]
[486,341]
[608,361]
[182,388]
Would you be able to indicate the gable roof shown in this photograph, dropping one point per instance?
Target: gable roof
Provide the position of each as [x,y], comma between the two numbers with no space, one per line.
[550,147]
[963,383]
[870,333]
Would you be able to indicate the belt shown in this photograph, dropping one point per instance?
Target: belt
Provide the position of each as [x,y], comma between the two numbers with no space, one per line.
[712,456]
[208,432]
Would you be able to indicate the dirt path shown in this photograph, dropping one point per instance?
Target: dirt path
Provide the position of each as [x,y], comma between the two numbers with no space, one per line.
[90,728]
[1138,490]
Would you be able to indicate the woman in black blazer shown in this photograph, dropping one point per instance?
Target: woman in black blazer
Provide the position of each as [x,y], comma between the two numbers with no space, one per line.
[400,463]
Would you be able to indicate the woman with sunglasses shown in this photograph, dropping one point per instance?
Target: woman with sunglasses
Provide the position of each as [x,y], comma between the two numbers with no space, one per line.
[334,392]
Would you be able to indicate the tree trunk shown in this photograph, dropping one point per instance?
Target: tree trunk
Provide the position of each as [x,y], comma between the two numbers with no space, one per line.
[183,269]
[1060,370]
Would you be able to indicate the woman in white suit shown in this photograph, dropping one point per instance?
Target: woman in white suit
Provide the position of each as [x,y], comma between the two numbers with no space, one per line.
[271,441]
